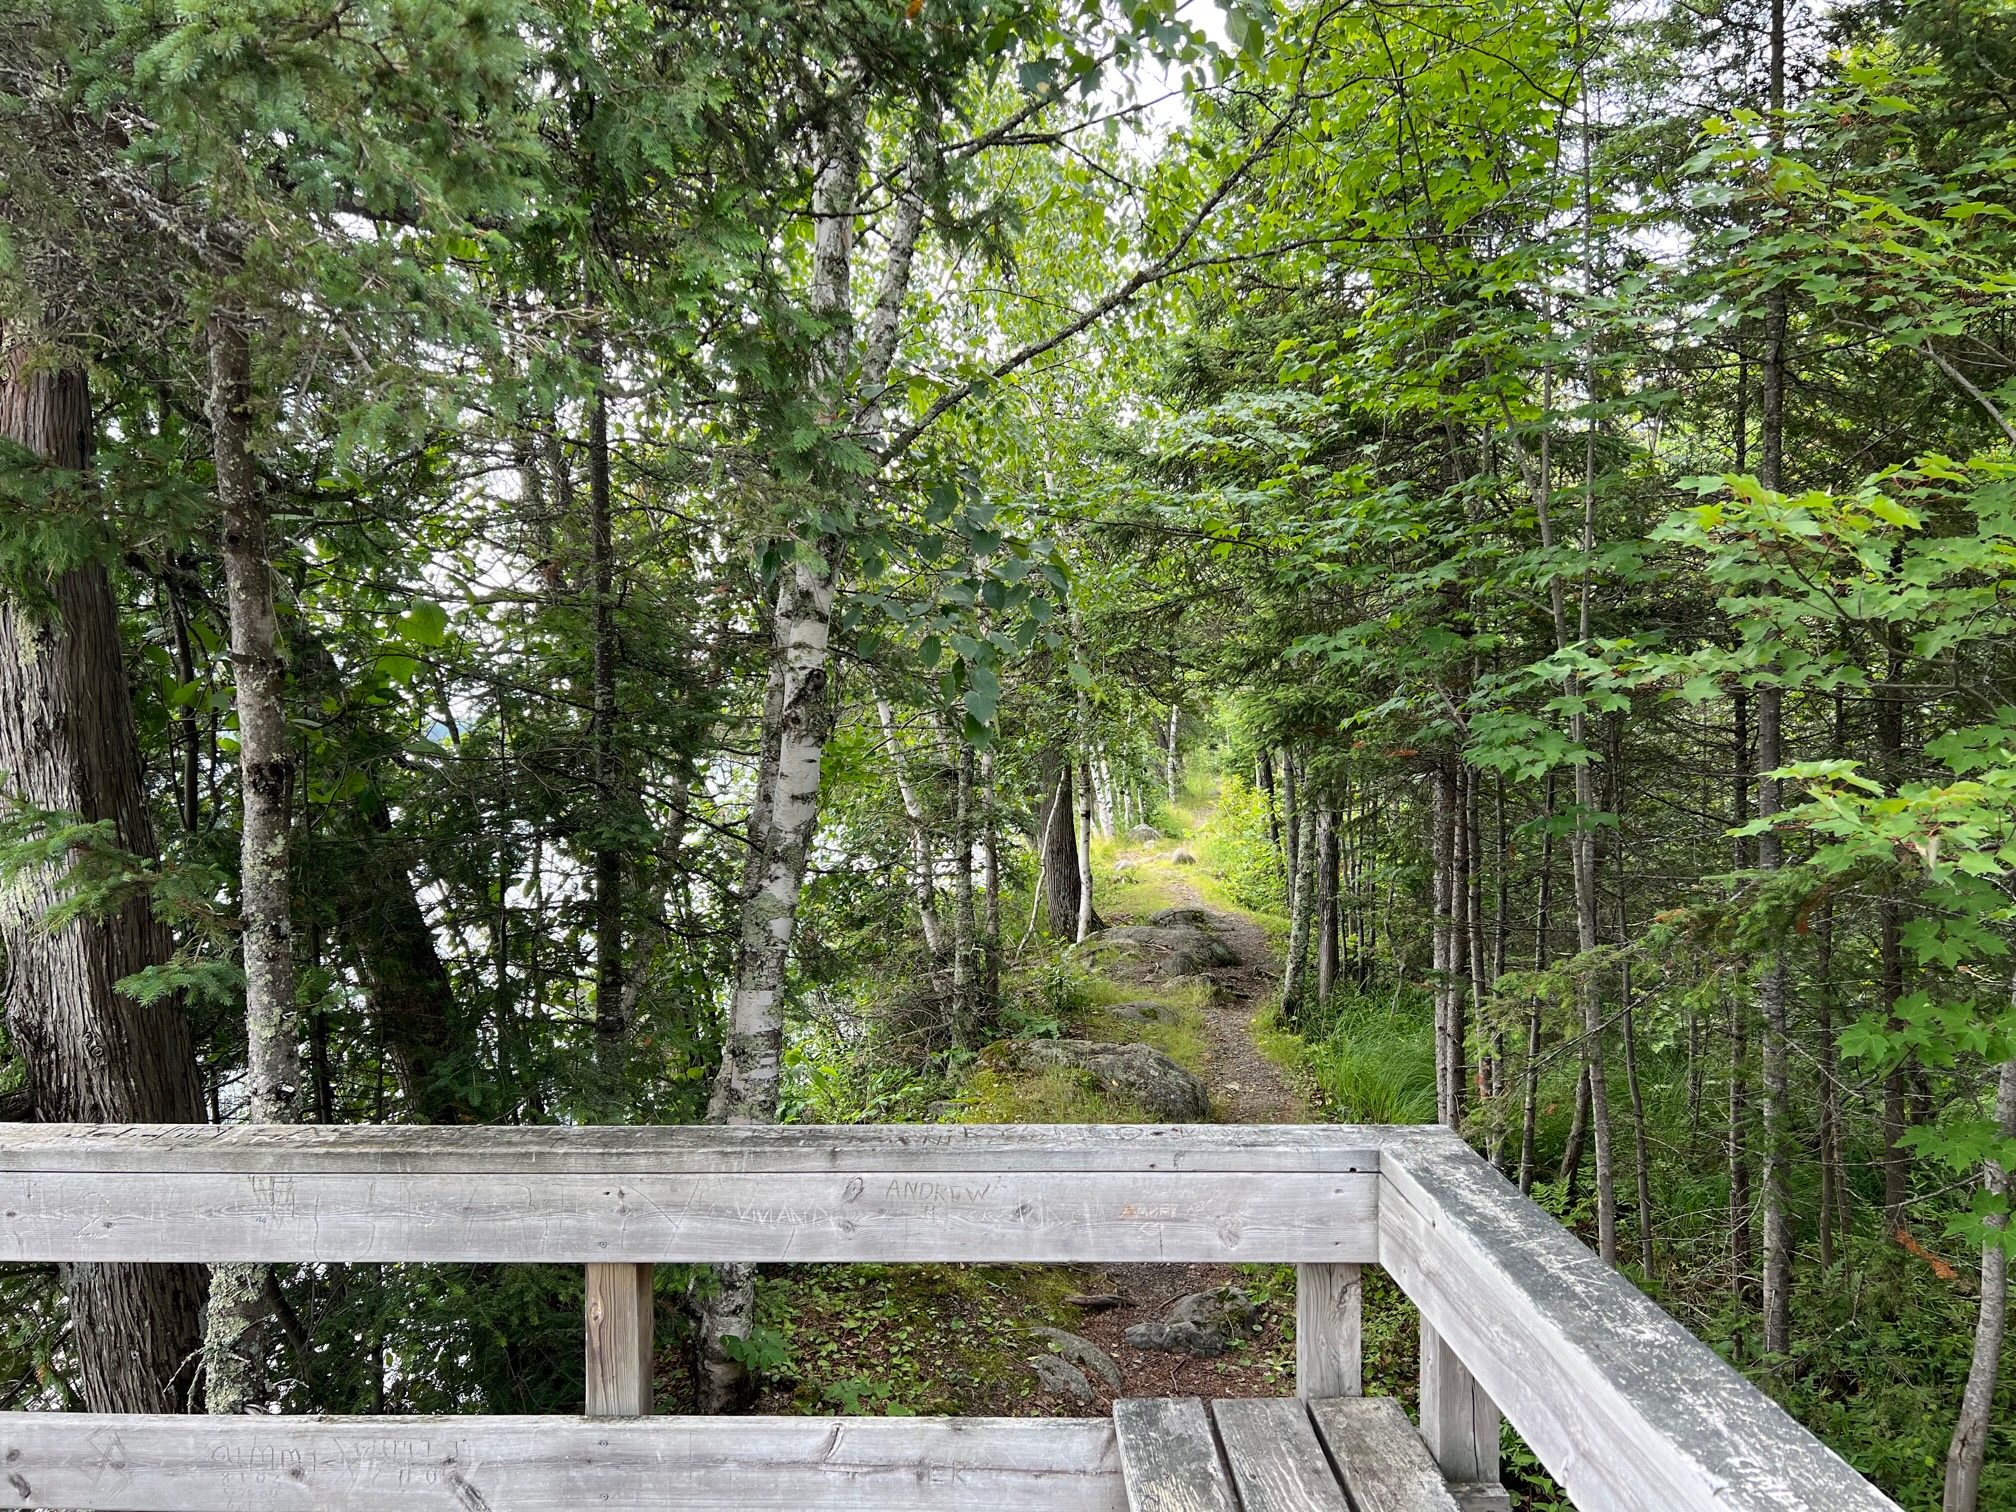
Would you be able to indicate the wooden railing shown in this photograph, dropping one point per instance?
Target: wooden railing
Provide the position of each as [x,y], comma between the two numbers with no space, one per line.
[1624,1407]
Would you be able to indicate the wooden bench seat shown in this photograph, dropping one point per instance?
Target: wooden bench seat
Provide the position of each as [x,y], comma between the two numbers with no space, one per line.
[1154,1455]
[1282,1454]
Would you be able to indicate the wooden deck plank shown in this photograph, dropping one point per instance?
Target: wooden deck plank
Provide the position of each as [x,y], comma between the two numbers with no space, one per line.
[558,1464]
[621,1150]
[1276,1462]
[869,1214]
[1627,1410]
[1169,1456]
[1385,1465]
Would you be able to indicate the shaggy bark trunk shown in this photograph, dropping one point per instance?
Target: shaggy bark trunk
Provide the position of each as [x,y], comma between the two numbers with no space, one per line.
[235,1346]
[92,1053]
[1059,845]
[1968,1451]
[411,994]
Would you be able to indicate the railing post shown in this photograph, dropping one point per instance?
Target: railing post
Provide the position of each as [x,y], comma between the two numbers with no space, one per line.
[620,1339]
[1329,1331]
[1458,1420]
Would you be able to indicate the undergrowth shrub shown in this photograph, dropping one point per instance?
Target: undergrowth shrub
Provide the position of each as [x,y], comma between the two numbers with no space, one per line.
[1243,848]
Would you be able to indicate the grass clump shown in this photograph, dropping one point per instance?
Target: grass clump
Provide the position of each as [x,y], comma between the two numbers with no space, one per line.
[1372,1058]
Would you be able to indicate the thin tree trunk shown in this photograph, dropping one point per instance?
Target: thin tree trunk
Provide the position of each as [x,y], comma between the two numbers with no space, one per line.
[1777,1082]
[1583,855]
[1473,941]
[1326,903]
[1087,915]
[1529,1113]
[92,1053]
[924,868]
[1832,1191]
[1890,945]
[1295,970]
[1263,772]
[611,1026]
[990,882]
[1448,892]
[1585,840]
[1169,767]
[1770,850]
[1968,1451]
[965,926]
[1739,1047]
[186,722]
[1578,1134]
[234,1350]
[1627,1024]
[1291,825]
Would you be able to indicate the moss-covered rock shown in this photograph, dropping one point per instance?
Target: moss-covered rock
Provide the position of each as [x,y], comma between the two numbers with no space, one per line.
[1140,1073]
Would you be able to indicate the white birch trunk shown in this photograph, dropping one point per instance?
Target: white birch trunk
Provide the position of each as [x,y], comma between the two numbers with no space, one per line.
[798,718]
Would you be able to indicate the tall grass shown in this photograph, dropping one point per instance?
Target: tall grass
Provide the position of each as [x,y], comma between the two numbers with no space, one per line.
[1374,1057]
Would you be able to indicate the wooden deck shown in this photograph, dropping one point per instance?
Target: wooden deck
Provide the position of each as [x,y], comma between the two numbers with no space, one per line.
[1626,1409]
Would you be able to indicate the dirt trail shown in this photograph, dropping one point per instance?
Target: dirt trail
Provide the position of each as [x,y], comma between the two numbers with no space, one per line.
[1246,1086]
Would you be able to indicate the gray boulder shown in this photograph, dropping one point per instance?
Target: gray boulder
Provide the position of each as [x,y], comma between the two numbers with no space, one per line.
[1177,1338]
[1143,1013]
[1185,918]
[1157,951]
[1141,1072]
[1199,1324]
[1081,1352]
[1061,1377]
[1224,1307]
[1143,834]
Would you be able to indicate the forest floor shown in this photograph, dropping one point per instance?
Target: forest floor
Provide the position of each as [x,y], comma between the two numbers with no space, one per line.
[955,1338]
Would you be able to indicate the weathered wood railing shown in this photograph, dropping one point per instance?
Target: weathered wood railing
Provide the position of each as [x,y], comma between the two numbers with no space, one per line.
[1624,1407]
